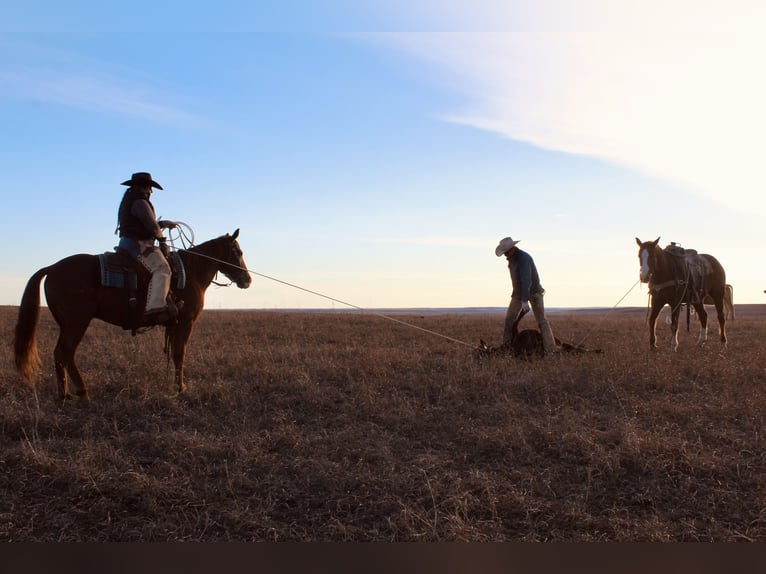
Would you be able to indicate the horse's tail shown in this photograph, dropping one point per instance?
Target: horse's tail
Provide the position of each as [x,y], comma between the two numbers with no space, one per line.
[730,296]
[24,340]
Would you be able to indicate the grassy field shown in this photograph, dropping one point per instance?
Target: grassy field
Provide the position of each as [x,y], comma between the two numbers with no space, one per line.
[349,427]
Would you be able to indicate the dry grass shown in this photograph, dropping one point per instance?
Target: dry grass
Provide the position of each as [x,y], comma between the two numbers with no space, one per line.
[348,427]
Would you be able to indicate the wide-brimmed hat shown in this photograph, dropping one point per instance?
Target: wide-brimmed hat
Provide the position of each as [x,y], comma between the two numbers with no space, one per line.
[142,178]
[505,244]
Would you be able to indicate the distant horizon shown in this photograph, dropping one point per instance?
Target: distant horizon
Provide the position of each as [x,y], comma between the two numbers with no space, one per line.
[466,310]
[463,309]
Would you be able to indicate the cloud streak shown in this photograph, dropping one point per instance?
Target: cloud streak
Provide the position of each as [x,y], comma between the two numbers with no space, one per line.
[681,103]
[91,94]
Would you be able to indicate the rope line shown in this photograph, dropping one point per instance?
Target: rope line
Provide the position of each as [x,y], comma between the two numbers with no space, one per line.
[589,333]
[190,241]
[317,293]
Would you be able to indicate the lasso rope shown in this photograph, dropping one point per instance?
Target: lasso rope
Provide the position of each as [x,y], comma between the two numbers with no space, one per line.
[589,333]
[185,232]
[187,242]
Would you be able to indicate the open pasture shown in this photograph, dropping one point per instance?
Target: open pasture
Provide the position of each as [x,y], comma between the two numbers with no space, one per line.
[349,427]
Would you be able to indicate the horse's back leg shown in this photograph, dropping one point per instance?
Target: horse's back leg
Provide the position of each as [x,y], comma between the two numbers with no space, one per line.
[719,309]
[63,355]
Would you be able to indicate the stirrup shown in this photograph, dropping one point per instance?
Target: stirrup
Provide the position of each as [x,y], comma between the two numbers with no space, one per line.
[157,317]
[174,307]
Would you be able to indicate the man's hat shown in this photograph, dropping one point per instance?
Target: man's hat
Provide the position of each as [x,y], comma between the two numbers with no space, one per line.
[142,178]
[505,244]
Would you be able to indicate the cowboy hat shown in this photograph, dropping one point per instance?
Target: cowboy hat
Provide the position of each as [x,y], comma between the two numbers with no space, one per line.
[142,178]
[505,244]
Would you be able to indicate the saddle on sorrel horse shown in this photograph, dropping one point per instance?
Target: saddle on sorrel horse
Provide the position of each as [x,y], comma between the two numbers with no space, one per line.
[676,277]
[120,271]
[75,295]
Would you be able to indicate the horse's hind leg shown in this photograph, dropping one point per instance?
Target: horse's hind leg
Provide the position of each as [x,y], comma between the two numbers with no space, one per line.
[719,308]
[63,355]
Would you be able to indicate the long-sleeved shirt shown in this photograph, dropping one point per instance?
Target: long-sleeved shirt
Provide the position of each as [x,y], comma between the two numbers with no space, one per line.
[136,216]
[524,276]
[144,211]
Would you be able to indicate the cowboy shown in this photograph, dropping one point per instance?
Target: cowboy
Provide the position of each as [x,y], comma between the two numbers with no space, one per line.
[527,291]
[139,229]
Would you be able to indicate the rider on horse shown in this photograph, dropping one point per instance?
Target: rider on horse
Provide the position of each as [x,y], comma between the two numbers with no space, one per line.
[139,229]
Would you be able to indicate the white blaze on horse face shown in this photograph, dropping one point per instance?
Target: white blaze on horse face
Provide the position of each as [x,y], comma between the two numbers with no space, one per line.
[644,256]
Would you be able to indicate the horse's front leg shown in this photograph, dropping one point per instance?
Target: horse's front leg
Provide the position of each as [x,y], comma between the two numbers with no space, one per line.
[180,341]
[653,327]
[179,378]
[674,328]
[702,314]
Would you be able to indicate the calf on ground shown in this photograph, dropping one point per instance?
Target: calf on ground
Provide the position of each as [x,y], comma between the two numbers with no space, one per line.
[527,344]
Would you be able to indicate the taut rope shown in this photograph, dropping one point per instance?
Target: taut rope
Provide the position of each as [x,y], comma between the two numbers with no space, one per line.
[357,307]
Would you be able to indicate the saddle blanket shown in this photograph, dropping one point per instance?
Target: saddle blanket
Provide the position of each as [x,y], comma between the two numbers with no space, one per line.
[116,270]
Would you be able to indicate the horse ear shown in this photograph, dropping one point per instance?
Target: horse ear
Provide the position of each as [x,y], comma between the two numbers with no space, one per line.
[656,241]
[235,234]
[638,241]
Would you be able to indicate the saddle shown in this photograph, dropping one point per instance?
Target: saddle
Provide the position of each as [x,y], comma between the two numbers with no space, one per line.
[696,268]
[120,271]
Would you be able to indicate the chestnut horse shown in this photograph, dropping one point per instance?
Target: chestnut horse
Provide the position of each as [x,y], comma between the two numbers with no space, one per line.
[679,276]
[75,296]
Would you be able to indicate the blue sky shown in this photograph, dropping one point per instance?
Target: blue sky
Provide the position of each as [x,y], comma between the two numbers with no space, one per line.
[377,151]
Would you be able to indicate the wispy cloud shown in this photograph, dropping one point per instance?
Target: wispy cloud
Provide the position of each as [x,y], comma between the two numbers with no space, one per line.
[91,93]
[680,102]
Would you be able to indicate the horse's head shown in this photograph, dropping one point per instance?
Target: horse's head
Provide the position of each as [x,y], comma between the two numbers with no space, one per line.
[232,263]
[647,254]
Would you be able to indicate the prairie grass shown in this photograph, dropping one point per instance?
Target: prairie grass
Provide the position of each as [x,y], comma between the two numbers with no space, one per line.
[348,427]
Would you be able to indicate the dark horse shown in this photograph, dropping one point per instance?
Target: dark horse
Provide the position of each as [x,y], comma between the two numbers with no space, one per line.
[678,276]
[75,297]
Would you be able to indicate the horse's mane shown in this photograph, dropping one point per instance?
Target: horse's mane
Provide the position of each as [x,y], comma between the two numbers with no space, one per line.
[205,244]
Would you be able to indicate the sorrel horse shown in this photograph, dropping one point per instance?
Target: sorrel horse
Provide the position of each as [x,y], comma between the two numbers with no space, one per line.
[75,297]
[678,276]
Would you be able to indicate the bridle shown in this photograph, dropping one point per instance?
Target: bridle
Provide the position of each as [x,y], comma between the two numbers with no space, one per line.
[236,252]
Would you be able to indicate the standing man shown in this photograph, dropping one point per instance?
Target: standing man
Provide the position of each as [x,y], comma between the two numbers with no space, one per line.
[139,229]
[526,291]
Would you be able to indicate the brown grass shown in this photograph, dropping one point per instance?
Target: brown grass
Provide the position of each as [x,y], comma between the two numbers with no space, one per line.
[348,427]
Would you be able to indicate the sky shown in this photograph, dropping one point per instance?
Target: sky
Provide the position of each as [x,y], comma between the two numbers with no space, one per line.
[376,151]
